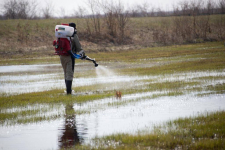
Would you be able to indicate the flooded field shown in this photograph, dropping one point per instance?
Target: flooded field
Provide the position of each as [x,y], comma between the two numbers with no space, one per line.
[154,100]
[36,78]
[129,118]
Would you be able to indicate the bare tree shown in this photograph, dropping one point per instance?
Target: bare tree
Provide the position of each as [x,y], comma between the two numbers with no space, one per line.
[143,9]
[134,11]
[110,18]
[221,5]
[206,22]
[116,19]
[139,10]
[184,8]
[221,22]
[20,9]
[160,12]
[95,14]
[11,9]
[62,12]
[152,13]
[33,9]
[47,10]
[80,12]
[209,7]
[123,19]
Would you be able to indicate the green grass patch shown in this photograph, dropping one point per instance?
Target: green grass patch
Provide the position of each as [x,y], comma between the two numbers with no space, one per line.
[200,51]
[163,52]
[46,97]
[218,88]
[171,86]
[187,66]
[29,110]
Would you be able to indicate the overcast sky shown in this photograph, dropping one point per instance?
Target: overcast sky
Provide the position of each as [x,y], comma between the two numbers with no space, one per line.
[71,5]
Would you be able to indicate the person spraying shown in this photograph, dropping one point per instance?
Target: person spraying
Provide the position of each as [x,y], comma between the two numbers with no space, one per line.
[68,47]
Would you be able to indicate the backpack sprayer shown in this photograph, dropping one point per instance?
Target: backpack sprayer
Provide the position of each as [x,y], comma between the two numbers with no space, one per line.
[62,45]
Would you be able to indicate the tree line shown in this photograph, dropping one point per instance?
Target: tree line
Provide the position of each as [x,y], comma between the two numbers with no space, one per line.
[25,9]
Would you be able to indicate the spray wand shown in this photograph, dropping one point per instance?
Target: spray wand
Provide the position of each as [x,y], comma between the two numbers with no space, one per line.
[86,58]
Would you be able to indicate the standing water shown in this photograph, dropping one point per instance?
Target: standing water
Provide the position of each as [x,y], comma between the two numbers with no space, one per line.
[102,117]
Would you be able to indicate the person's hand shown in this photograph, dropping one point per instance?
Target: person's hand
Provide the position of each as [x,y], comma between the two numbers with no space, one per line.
[82,55]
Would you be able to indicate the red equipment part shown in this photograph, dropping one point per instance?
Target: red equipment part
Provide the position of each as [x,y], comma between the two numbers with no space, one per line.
[62,46]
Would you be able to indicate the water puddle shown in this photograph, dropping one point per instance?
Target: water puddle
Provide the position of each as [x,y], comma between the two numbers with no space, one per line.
[27,68]
[144,114]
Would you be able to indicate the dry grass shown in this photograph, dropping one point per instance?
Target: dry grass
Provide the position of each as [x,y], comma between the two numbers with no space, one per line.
[22,38]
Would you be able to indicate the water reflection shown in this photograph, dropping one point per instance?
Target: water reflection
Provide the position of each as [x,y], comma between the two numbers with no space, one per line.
[105,119]
[69,136]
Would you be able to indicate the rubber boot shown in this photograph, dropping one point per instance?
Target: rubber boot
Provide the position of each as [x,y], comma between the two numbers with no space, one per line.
[68,86]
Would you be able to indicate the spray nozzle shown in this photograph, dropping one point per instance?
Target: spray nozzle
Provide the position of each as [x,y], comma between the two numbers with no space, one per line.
[96,65]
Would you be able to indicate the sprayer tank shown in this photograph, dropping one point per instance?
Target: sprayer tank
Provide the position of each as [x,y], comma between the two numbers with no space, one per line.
[63,31]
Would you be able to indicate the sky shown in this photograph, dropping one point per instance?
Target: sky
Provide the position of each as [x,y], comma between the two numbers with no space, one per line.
[71,5]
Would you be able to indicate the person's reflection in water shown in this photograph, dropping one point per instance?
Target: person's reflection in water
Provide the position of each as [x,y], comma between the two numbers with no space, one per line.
[69,137]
